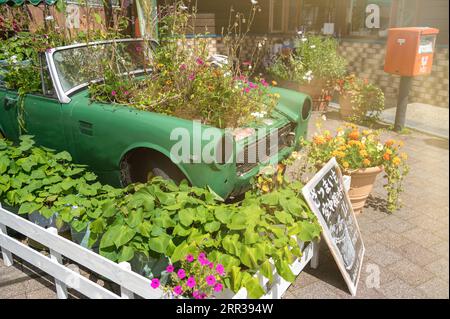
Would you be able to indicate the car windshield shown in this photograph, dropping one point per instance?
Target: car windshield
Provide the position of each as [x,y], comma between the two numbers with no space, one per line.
[79,65]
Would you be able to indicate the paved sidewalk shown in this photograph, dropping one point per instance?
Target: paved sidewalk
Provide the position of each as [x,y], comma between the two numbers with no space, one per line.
[410,248]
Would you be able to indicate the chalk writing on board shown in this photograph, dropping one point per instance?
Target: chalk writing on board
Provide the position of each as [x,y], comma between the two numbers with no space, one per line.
[328,200]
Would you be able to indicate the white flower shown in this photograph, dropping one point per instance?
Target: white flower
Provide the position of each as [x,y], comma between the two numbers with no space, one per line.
[364,140]
[340,133]
[304,39]
[14,59]
[260,45]
[258,115]
[300,32]
[254,2]
[49,18]
[313,46]
[183,7]
[324,117]
[380,147]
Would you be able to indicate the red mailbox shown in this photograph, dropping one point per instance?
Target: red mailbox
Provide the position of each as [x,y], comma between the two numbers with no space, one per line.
[410,51]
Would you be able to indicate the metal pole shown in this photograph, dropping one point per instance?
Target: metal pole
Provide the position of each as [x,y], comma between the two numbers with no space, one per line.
[402,104]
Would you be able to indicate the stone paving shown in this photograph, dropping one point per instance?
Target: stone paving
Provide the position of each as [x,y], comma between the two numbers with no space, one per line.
[408,249]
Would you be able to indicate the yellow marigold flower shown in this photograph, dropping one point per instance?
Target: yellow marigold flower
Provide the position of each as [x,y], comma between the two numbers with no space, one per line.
[388,151]
[366,162]
[366,132]
[346,165]
[363,153]
[277,95]
[274,83]
[319,140]
[396,161]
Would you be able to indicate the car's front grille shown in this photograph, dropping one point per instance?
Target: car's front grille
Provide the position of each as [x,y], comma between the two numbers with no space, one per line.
[250,156]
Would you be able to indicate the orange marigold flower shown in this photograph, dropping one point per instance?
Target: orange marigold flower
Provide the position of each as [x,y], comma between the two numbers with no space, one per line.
[366,162]
[387,157]
[389,143]
[354,135]
[319,140]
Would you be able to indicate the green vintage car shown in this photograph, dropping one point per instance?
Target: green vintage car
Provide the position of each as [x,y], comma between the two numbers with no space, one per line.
[125,145]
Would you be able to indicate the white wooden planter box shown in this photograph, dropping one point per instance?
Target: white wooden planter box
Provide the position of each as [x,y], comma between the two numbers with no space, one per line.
[279,286]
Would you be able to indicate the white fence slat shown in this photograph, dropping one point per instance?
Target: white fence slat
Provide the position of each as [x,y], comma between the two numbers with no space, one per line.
[61,288]
[99,264]
[7,256]
[60,272]
[124,292]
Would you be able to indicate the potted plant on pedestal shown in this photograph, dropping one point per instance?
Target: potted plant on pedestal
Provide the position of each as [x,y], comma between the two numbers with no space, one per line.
[311,67]
[360,101]
[363,156]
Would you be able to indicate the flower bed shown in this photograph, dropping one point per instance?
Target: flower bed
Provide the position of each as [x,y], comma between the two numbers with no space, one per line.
[160,218]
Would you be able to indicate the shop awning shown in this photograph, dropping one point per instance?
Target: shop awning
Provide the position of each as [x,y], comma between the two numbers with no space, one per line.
[21,2]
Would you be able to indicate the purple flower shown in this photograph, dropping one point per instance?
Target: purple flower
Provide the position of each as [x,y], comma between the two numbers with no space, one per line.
[210,280]
[218,287]
[181,273]
[191,282]
[170,268]
[155,283]
[190,258]
[178,290]
[220,269]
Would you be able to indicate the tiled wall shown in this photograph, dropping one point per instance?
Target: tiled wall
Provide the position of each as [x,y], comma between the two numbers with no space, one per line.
[366,59]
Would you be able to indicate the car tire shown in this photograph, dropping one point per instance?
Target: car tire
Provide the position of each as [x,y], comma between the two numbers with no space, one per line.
[141,167]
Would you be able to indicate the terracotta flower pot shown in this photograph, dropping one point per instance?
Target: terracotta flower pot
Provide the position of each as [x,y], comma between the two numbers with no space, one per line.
[361,186]
[345,106]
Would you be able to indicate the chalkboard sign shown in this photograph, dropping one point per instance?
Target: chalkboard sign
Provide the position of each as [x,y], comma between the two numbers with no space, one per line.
[327,198]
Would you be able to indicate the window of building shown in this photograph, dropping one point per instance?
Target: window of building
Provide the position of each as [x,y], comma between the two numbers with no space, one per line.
[284,16]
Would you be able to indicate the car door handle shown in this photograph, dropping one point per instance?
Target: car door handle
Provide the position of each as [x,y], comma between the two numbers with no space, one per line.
[86,128]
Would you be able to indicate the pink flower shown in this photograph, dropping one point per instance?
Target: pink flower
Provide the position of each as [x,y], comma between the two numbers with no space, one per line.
[190,258]
[264,83]
[218,287]
[247,90]
[200,61]
[201,256]
[204,262]
[196,294]
[183,67]
[191,282]
[252,85]
[247,63]
[113,93]
[170,268]
[155,283]
[220,269]
[126,92]
[211,265]
[178,290]
[181,273]
[191,77]
[138,49]
[210,280]
[202,296]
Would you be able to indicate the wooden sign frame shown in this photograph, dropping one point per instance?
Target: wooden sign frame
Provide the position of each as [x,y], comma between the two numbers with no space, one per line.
[352,284]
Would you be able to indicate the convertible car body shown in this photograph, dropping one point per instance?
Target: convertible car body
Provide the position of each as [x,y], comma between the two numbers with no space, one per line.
[122,144]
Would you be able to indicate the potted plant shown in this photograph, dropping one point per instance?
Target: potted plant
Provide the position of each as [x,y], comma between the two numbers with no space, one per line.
[359,100]
[363,156]
[311,67]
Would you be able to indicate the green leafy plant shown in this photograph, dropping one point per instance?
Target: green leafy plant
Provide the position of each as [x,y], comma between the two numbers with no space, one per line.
[366,98]
[313,58]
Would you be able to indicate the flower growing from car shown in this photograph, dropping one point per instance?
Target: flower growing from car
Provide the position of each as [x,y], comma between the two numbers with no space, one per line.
[196,277]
